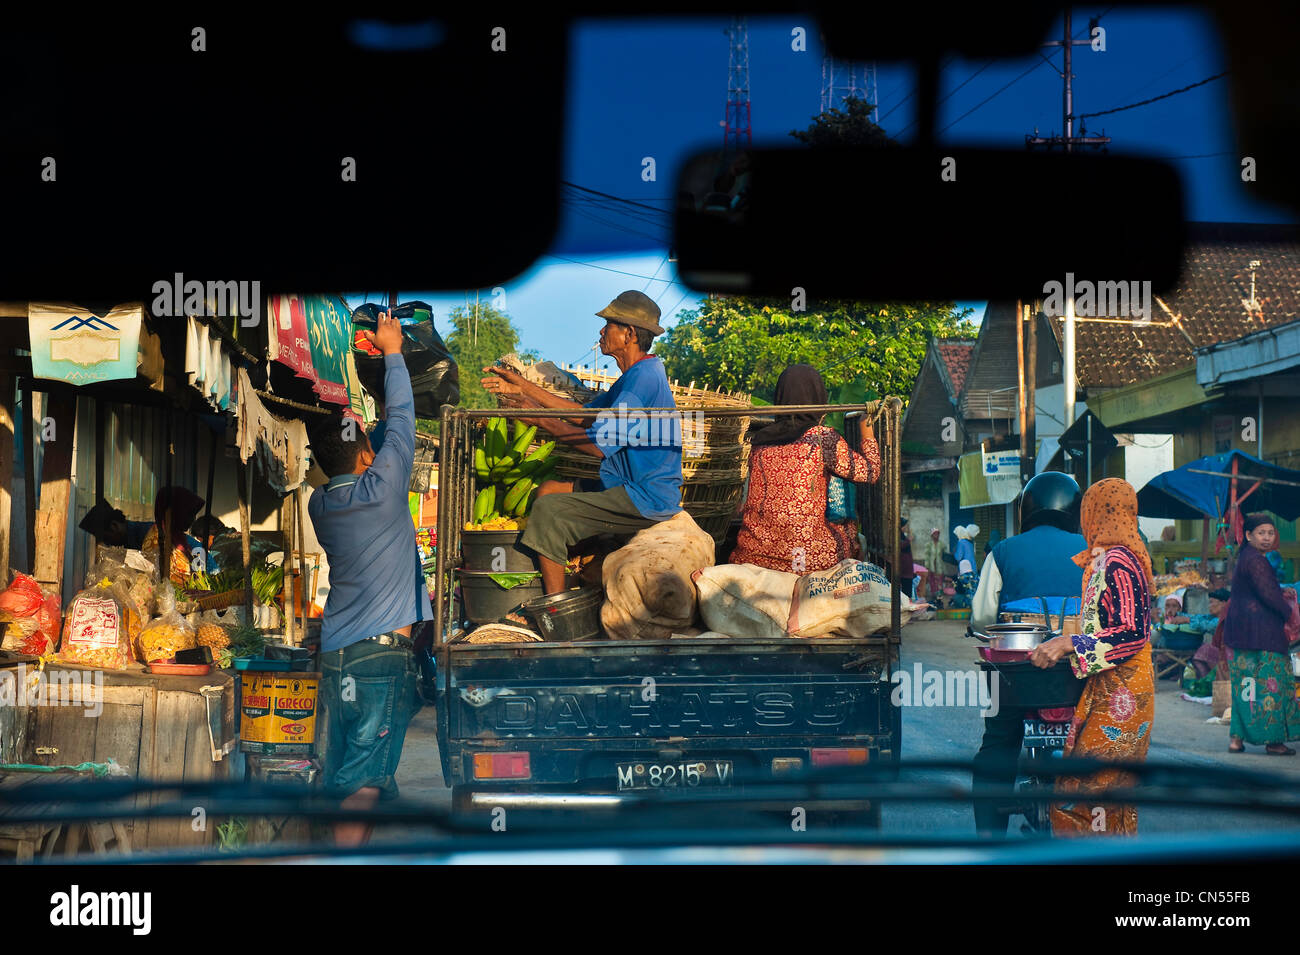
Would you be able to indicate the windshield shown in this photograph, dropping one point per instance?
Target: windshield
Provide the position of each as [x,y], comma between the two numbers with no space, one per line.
[444,580]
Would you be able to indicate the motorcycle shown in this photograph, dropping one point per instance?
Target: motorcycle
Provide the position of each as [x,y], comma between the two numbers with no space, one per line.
[1045,728]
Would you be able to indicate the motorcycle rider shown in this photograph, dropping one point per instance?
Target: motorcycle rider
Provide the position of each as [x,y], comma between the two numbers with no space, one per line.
[1036,562]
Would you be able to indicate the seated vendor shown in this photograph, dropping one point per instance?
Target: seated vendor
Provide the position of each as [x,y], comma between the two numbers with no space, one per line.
[783,518]
[110,527]
[1174,615]
[184,506]
[640,460]
[219,540]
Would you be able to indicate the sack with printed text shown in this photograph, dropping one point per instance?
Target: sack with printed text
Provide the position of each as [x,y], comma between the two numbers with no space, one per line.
[95,630]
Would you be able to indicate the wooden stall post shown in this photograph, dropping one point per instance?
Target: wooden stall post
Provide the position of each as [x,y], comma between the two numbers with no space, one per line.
[29,478]
[212,471]
[245,507]
[286,529]
[8,443]
[101,425]
[302,555]
[56,487]
[165,532]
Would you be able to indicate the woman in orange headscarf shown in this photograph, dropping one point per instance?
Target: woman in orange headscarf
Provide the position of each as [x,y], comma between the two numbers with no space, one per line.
[1112,719]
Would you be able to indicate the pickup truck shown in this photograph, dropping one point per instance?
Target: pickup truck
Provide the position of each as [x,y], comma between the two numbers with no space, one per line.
[581,725]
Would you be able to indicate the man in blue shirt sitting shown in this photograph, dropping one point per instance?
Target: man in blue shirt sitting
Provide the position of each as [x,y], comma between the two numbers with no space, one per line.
[641,452]
[369,676]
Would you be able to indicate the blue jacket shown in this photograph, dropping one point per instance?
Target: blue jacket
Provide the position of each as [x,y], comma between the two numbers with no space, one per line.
[1038,563]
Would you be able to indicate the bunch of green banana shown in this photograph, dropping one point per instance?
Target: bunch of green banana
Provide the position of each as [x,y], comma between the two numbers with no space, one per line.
[508,474]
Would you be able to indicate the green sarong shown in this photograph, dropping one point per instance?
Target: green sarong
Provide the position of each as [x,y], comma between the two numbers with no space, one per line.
[1264,706]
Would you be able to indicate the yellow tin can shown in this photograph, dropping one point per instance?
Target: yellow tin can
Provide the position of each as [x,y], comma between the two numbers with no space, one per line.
[278,712]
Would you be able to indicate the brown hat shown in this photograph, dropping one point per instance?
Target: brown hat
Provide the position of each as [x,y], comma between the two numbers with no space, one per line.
[633,308]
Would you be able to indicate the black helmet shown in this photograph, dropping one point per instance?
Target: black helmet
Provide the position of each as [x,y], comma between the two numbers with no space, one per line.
[1050,498]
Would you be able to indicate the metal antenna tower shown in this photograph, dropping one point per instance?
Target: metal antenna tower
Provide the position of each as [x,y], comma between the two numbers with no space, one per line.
[842,79]
[737,135]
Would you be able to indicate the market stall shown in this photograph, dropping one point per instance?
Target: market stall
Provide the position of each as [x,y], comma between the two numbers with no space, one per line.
[132,669]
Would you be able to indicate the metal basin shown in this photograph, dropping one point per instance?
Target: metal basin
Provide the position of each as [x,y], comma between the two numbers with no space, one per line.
[1016,636]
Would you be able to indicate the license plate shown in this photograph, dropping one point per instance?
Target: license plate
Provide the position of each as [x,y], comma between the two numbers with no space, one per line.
[1044,734]
[682,775]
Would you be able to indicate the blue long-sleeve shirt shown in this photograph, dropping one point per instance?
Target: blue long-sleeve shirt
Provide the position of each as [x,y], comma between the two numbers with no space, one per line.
[364,524]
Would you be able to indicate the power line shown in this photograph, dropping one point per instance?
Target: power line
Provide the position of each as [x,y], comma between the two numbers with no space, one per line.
[657,268]
[1154,99]
[1200,155]
[606,195]
[656,237]
[999,91]
[941,67]
[1036,66]
[670,311]
[951,93]
[620,272]
[1160,76]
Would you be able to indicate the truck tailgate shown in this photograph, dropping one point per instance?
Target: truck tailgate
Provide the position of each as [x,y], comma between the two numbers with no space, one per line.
[660,689]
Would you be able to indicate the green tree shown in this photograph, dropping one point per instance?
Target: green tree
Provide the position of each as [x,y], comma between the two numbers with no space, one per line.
[863,350]
[479,336]
[850,126]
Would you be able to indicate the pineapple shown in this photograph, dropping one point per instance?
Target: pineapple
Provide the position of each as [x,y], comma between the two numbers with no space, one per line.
[214,636]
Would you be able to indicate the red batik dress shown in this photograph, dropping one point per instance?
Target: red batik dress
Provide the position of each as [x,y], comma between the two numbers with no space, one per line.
[784,524]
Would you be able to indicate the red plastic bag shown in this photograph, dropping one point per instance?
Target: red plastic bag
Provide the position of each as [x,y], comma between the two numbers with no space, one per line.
[23,597]
[30,617]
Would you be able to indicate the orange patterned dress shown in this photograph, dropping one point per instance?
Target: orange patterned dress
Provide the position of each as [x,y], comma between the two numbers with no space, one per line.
[1112,719]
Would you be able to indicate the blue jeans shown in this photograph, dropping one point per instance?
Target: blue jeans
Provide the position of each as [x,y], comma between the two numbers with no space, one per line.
[368,695]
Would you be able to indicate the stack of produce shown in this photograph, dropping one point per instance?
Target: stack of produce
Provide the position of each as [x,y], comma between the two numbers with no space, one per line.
[1169,583]
[509,475]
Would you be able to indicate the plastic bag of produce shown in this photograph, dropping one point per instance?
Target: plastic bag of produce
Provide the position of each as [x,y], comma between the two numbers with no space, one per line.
[435,378]
[166,633]
[95,631]
[29,617]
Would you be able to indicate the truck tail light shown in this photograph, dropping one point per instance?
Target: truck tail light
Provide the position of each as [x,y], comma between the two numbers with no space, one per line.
[784,765]
[502,766]
[838,757]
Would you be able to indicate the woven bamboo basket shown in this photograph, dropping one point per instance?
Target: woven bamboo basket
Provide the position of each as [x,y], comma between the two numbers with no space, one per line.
[229,598]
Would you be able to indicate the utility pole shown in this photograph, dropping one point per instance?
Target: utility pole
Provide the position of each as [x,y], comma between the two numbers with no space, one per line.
[1067,140]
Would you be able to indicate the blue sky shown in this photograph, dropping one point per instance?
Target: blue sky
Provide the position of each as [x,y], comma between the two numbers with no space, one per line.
[653,88]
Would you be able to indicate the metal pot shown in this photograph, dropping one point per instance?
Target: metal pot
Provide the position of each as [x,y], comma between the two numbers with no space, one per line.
[1015,636]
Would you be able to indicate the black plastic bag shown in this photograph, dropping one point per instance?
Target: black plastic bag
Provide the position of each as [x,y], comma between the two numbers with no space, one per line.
[435,378]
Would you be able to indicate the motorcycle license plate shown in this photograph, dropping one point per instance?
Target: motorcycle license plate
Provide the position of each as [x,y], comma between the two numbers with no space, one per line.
[680,775]
[1047,735]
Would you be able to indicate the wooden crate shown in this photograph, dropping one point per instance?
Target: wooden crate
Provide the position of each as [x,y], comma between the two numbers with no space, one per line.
[154,726]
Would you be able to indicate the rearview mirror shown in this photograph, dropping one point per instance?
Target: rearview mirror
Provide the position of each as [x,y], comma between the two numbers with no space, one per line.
[882,224]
